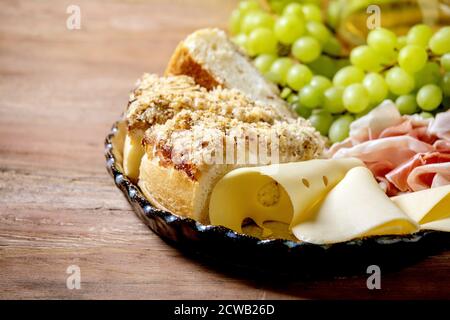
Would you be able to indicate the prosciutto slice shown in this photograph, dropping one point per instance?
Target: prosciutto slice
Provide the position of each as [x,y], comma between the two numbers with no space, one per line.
[429,176]
[405,153]
[400,176]
[440,126]
[371,125]
[395,150]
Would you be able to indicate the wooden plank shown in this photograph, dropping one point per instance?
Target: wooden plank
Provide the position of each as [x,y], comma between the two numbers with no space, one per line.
[60,91]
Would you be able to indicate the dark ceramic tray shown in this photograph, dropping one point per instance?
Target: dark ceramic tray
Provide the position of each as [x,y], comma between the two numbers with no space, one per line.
[223,247]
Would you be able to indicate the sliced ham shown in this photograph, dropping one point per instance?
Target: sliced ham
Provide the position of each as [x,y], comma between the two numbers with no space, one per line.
[395,150]
[347,143]
[405,153]
[440,126]
[428,176]
[372,124]
[410,128]
[399,176]
[442,146]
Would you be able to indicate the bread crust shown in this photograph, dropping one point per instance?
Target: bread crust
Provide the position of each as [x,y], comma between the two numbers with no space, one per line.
[160,179]
[182,63]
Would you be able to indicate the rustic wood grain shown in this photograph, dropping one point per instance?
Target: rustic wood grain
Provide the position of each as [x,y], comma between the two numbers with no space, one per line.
[60,91]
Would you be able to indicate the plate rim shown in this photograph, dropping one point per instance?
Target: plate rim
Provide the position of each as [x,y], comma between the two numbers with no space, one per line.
[135,197]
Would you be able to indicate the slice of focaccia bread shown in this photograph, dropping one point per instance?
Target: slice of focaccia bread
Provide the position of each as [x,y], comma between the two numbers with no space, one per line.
[185,157]
[210,57]
[158,99]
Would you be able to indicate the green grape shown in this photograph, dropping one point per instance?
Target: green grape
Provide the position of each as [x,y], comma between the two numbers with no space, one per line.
[426,115]
[292,98]
[302,111]
[440,41]
[333,13]
[382,40]
[332,100]
[306,49]
[310,97]
[235,21]
[412,58]
[289,28]
[340,128]
[285,93]
[294,9]
[262,40]
[298,76]
[241,41]
[332,46]
[348,75]
[445,62]
[278,6]
[342,63]
[247,6]
[391,96]
[280,68]
[324,66]
[429,97]
[401,42]
[376,86]
[419,35]
[429,74]
[263,62]
[399,81]
[407,104]
[254,20]
[388,58]
[272,76]
[319,31]
[356,98]
[445,84]
[321,120]
[365,58]
[320,82]
[312,12]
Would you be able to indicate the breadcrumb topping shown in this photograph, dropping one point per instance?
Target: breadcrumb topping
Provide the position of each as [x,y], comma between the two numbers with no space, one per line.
[191,128]
[158,99]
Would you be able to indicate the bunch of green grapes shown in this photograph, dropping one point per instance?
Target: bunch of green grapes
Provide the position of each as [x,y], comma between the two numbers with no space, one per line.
[296,50]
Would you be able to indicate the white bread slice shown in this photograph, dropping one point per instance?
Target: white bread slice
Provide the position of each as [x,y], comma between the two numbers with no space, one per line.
[184,186]
[210,57]
[158,99]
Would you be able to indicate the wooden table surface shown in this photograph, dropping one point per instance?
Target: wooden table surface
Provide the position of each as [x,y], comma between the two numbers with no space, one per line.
[60,91]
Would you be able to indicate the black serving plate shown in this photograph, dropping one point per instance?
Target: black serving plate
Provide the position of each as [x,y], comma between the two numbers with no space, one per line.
[223,247]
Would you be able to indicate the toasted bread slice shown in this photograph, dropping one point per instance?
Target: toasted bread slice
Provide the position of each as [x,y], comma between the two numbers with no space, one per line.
[185,157]
[211,59]
[158,99]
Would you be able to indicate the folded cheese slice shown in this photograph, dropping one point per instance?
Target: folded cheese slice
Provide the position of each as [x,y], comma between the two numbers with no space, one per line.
[430,208]
[356,207]
[322,201]
[280,192]
[132,155]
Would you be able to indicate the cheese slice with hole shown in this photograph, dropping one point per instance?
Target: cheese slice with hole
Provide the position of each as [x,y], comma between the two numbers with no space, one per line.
[132,156]
[280,192]
[430,208]
[356,207]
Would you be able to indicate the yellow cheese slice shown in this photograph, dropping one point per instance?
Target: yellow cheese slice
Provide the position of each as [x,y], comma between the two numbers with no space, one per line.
[430,208]
[132,155]
[247,193]
[356,207]
[280,192]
